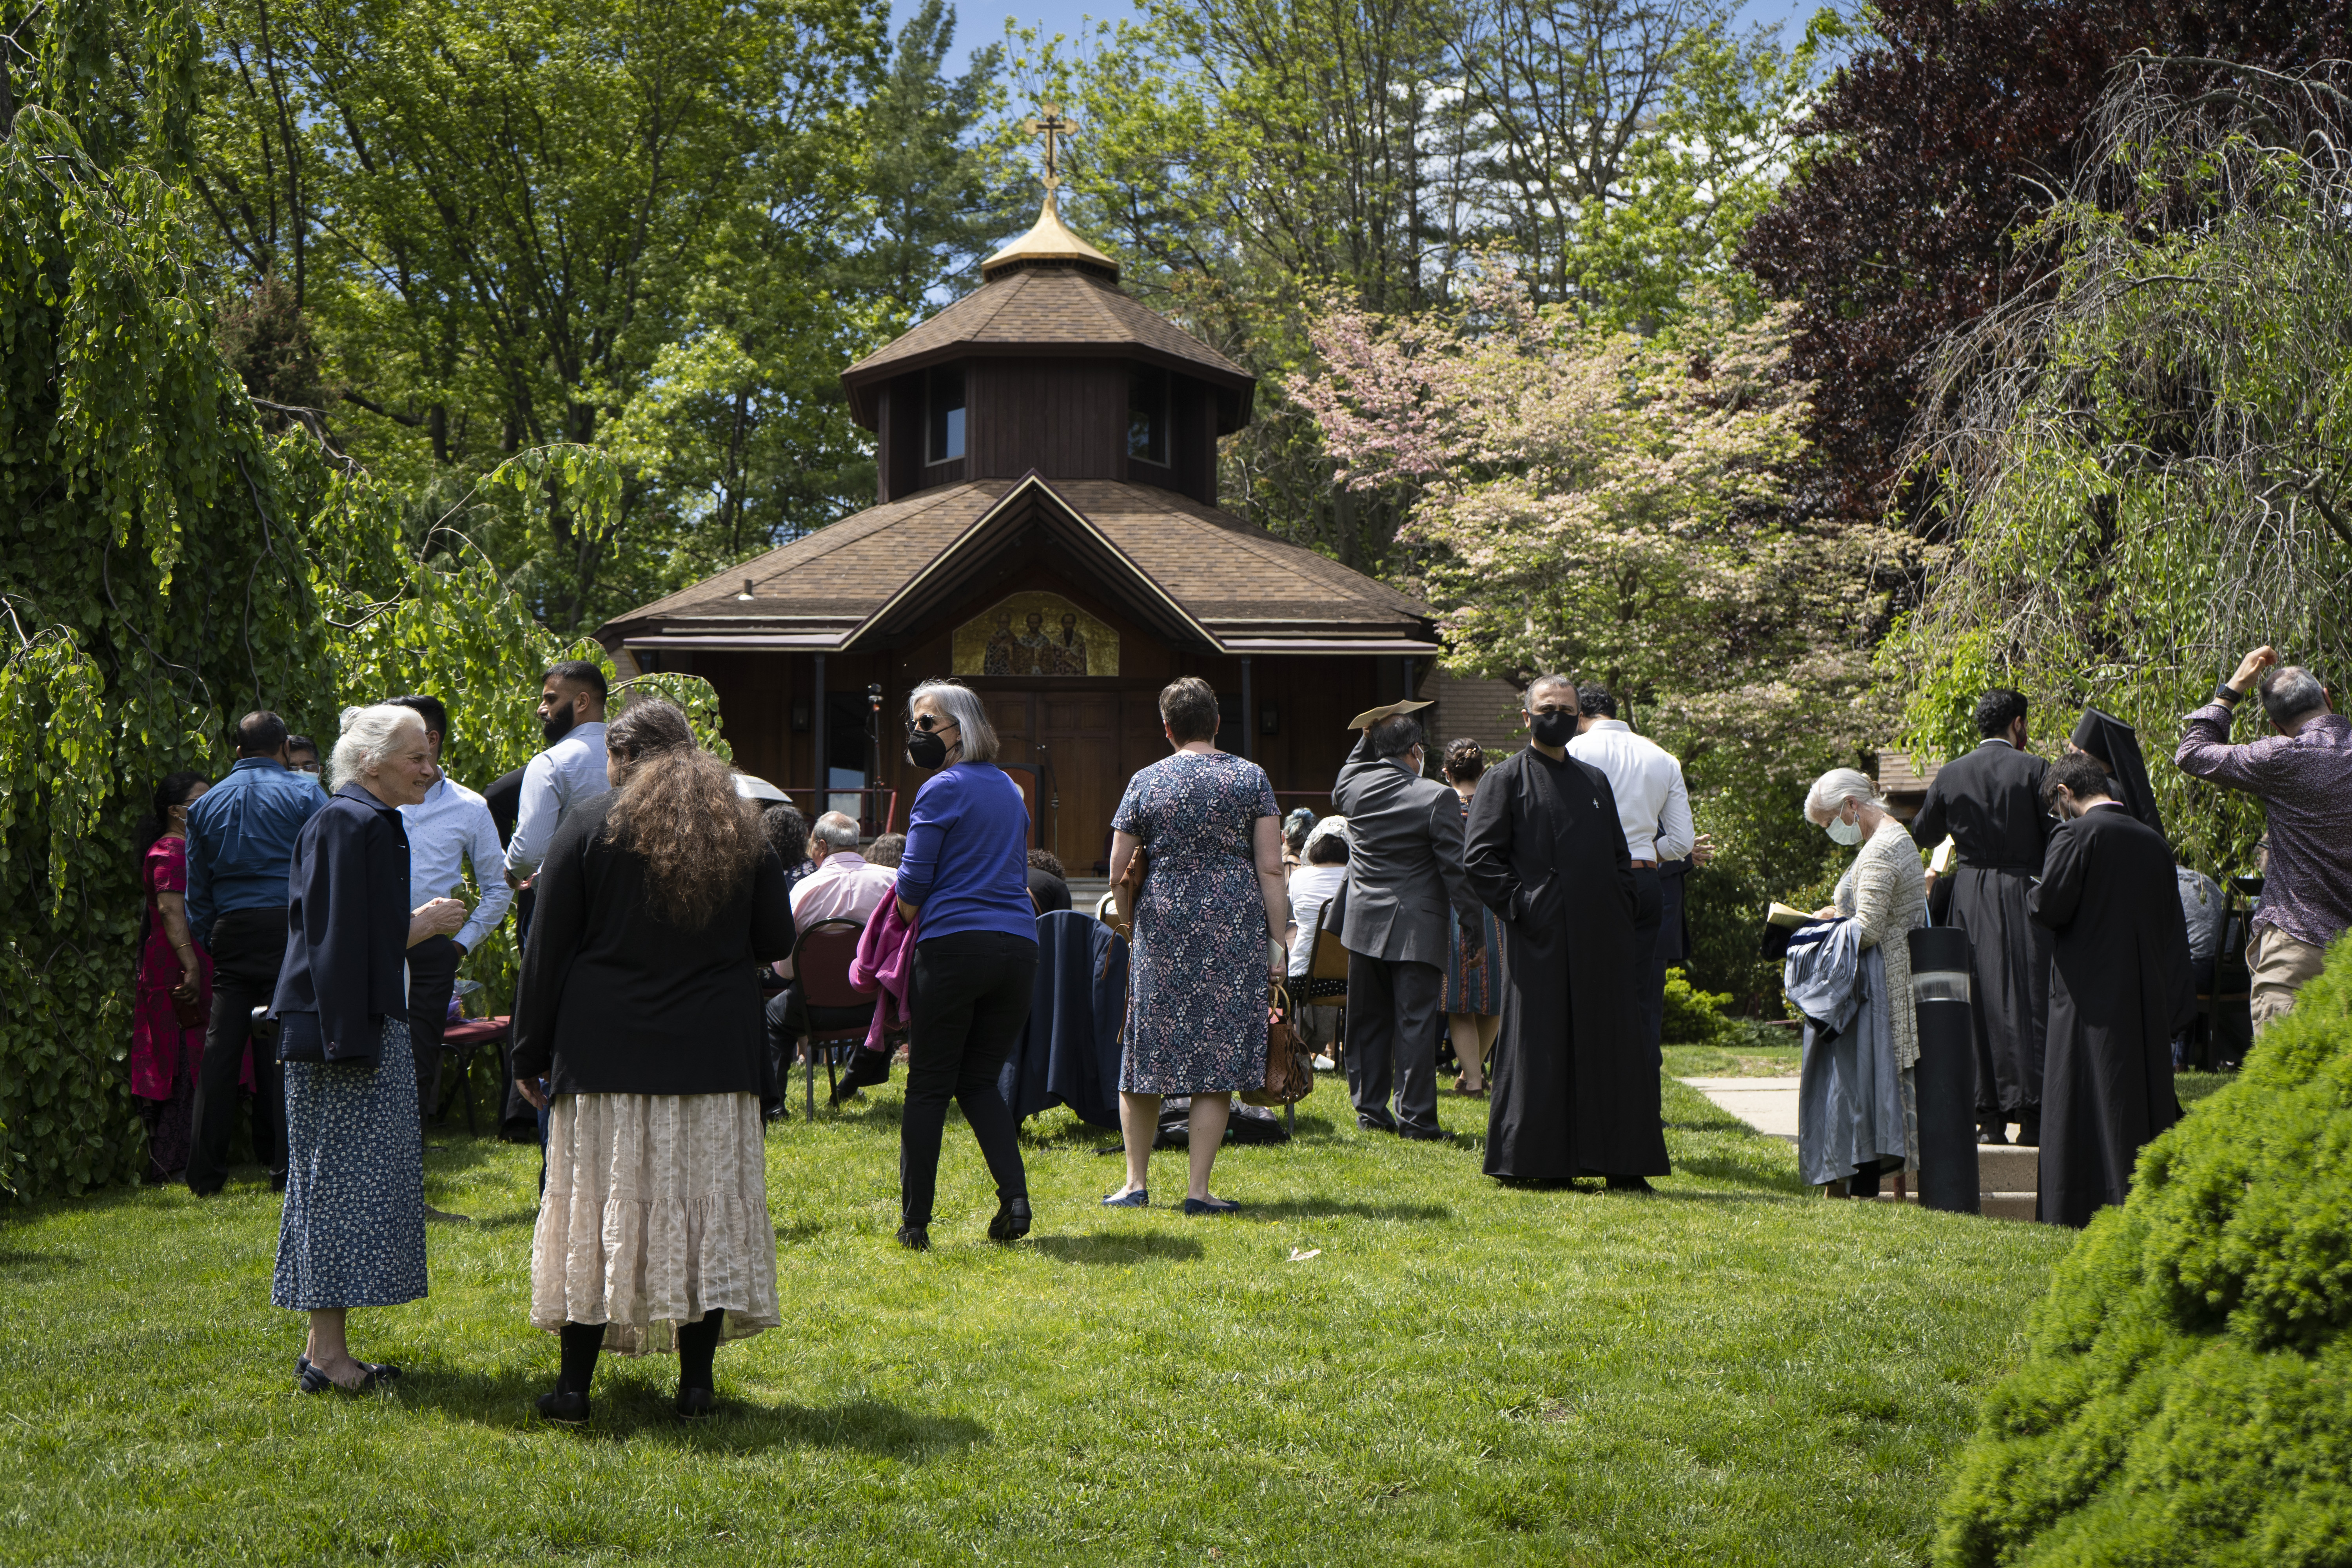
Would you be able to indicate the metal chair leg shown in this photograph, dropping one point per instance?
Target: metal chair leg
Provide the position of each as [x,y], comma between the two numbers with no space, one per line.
[808,1055]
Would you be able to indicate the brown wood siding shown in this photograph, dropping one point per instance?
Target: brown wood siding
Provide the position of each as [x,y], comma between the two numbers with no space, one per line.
[1066,418]
[900,420]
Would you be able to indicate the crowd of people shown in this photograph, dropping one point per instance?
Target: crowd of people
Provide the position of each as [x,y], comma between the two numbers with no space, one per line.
[302,948]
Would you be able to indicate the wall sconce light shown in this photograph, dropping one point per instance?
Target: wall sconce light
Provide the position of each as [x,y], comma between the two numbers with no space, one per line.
[800,718]
[1269,719]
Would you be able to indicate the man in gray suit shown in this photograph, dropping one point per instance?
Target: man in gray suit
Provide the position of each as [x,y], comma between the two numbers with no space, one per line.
[1404,866]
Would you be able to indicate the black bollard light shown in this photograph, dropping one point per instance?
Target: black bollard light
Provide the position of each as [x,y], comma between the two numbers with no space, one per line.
[1946,1078]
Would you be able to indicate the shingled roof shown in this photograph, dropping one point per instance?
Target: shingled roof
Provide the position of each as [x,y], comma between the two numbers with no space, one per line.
[1196,575]
[1027,312]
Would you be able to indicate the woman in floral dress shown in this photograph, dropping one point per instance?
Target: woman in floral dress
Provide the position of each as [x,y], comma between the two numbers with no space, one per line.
[1212,897]
[174,973]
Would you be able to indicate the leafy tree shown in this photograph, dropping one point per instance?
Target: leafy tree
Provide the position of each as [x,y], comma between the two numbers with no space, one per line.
[2142,466]
[498,221]
[1923,170]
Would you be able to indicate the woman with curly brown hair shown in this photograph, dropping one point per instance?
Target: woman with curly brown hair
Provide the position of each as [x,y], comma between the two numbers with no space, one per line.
[639,1004]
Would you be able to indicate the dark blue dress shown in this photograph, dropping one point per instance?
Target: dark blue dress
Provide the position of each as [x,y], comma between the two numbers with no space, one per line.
[1196,990]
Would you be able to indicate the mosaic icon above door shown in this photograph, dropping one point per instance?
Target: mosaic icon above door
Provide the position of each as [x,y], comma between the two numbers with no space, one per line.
[1036,635]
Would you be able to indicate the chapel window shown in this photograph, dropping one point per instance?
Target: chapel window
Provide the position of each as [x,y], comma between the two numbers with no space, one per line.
[1147,415]
[946,414]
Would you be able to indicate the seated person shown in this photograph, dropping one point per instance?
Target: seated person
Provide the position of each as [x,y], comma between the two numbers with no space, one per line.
[1322,872]
[843,887]
[886,850]
[1049,885]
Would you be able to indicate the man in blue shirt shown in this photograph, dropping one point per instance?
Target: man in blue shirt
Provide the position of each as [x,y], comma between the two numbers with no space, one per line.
[241,836]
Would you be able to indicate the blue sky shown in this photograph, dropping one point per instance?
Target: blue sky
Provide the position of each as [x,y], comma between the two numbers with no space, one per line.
[979,21]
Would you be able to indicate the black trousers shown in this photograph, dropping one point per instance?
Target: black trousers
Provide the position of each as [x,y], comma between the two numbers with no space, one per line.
[249,946]
[1649,919]
[432,981]
[966,1002]
[1394,1014]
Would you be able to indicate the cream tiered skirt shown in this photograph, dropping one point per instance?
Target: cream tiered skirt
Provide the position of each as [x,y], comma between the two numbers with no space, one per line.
[656,1213]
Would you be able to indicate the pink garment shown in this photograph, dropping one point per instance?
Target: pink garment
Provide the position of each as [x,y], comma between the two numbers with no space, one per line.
[885,965]
[160,1049]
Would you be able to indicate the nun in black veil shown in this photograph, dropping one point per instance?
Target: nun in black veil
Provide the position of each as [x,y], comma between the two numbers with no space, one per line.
[2114,745]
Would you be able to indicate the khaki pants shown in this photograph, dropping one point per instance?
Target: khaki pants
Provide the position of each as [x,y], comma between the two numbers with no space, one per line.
[2281,965]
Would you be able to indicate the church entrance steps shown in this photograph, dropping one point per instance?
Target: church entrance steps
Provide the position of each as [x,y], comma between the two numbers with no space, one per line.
[2008,1176]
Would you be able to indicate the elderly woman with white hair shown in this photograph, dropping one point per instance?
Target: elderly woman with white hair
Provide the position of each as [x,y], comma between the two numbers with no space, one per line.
[1884,893]
[353,1234]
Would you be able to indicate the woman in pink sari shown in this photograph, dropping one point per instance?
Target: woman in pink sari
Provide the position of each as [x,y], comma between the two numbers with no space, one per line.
[175,996]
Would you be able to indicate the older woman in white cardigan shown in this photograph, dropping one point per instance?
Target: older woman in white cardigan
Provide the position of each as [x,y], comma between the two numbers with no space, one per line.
[1884,893]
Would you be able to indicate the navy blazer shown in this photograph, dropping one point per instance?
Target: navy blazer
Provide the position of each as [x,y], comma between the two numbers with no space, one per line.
[347,932]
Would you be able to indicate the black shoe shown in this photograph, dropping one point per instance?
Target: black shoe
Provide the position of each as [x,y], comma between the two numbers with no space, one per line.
[1992,1133]
[310,1379]
[277,1181]
[1375,1124]
[2028,1131]
[694,1404]
[1012,1221]
[915,1237]
[569,1409]
[777,1112]
[1424,1134]
[1630,1185]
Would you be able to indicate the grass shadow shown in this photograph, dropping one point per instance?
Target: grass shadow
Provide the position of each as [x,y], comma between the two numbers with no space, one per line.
[1114,1247]
[629,1406]
[514,1219]
[37,1267]
[1745,1173]
[794,1235]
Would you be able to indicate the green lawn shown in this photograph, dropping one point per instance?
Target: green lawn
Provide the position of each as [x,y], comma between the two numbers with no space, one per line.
[1730,1372]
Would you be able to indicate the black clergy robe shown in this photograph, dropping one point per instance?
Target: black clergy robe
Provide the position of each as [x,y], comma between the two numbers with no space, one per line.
[1989,800]
[2120,988]
[1575,1089]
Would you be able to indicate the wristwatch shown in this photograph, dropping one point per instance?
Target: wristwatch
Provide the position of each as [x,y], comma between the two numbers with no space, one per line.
[2225,692]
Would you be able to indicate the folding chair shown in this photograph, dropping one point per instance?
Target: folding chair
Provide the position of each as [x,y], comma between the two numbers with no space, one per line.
[838,1016]
[1327,978]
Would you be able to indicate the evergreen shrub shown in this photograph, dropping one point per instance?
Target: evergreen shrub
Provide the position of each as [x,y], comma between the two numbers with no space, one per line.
[1694,1018]
[2186,1391]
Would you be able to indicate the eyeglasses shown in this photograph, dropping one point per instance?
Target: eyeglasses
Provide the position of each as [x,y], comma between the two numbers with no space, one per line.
[928,725]
[306,767]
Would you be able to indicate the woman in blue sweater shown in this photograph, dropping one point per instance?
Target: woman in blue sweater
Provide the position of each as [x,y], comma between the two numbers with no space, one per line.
[963,882]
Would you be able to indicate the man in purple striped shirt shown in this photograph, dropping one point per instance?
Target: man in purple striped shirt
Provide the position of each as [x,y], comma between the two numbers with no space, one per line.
[2302,776]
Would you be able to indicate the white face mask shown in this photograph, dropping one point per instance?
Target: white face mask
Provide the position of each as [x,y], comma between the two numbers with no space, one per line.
[1844,832]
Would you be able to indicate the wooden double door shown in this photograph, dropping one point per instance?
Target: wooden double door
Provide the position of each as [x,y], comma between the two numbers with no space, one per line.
[1067,745]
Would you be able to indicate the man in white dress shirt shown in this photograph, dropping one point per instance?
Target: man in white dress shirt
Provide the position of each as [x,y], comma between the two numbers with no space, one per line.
[1654,807]
[571,769]
[843,887]
[451,826]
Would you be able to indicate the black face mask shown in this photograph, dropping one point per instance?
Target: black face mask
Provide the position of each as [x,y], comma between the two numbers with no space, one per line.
[1554,728]
[558,724]
[927,749]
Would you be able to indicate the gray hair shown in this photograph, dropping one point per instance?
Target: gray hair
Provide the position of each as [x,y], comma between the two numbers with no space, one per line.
[1527,698]
[836,830]
[370,736]
[1837,786]
[2291,692]
[961,704]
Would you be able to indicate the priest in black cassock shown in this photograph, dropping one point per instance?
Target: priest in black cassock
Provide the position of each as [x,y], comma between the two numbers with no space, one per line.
[2115,746]
[2120,989]
[1989,802]
[1575,1089]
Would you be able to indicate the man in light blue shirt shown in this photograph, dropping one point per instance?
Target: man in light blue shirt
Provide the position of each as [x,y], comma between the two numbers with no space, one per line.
[571,769]
[450,827]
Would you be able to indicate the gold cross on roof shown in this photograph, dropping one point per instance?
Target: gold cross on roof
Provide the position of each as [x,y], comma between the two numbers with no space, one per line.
[1049,127]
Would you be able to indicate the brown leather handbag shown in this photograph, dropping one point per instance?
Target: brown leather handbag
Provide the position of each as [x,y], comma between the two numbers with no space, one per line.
[1289,1065]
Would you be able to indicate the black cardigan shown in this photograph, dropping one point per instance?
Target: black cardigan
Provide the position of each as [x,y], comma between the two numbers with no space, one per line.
[613,1000]
[347,932]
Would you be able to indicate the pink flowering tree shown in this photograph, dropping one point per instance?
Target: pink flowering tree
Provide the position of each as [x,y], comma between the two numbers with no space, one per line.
[1579,498]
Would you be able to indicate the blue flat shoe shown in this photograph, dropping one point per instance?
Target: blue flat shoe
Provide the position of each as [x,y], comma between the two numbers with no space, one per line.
[1139,1199]
[1211,1206]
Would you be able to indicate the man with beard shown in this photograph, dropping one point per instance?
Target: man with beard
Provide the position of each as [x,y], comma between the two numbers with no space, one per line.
[570,772]
[1575,1086]
[2120,989]
[1989,802]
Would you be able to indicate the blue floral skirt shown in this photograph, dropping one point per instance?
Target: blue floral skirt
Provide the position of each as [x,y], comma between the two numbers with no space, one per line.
[1473,986]
[354,1230]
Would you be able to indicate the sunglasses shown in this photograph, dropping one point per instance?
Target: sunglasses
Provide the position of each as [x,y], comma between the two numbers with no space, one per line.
[928,725]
